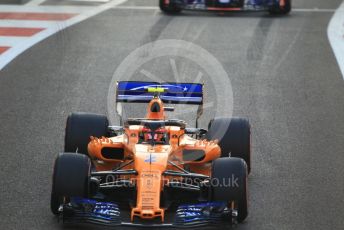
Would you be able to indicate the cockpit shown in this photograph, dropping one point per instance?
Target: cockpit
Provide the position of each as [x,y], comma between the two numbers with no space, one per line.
[155,132]
[157,137]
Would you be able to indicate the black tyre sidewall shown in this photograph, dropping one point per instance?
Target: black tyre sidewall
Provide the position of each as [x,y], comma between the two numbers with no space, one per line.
[223,168]
[170,9]
[71,177]
[281,11]
[234,136]
[79,128]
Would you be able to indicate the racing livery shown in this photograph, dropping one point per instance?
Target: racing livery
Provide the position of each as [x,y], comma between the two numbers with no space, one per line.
[272,6]
[152,171]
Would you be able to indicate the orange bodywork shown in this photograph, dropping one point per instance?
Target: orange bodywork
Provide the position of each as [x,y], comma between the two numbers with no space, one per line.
[150,161]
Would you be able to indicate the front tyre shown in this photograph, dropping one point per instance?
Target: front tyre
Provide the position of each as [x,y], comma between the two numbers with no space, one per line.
[229,184]
[234,136]
[79,128]
[169,7]
[281,10]
[71,177]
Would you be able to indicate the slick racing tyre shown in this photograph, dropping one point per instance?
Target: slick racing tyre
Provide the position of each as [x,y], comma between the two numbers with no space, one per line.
[229,183]
[71,177]
[79,128]
[234,136]
[278,10]
[170,8]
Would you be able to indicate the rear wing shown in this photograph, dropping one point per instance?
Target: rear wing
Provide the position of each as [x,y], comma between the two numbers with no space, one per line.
[169,93]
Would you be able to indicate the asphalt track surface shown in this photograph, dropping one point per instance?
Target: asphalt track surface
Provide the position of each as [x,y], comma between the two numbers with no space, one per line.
[284,77]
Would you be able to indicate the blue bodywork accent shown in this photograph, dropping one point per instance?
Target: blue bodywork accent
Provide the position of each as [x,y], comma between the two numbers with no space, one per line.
[208,212]
[233,3]
[150,159]
[95,209]
[175,93]
[81,210]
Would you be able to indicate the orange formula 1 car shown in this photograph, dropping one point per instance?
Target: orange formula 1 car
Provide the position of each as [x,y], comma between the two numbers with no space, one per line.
[152,171]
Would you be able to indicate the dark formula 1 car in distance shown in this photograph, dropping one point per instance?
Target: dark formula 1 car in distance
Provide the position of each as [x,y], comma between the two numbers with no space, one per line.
[272,6]
[152,171]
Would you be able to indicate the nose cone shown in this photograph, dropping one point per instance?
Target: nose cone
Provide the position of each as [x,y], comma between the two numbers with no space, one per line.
[150,163]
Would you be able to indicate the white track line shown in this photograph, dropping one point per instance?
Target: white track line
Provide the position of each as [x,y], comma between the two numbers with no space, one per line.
[47,9]
[38,2]
[335,33]
[12,53]
[35,2]
[101,1]
[11,41]
[26,23]
[315,10]
[138,7]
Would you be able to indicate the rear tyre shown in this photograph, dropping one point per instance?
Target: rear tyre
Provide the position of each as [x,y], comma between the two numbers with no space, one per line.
[171,8]
[277,10]
[71,177]
[234,136]
[79,128]
[229,184]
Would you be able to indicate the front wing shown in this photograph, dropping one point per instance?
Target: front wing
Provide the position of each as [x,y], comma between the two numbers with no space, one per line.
[80,211]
